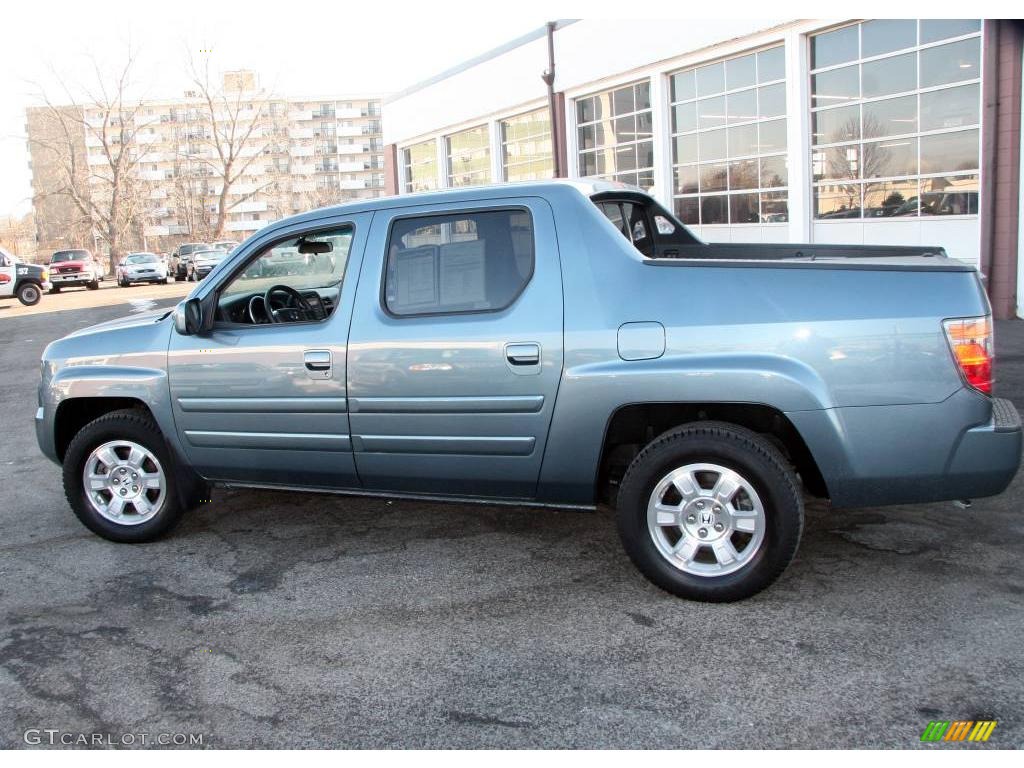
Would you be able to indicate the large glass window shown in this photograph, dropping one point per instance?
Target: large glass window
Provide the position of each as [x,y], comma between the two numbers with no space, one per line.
[420,161]
[526,147]
[469,157]
[895,119]
[729,141]
[614,135]
[458,262]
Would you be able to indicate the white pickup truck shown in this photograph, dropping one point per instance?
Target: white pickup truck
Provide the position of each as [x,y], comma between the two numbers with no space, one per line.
[26,281]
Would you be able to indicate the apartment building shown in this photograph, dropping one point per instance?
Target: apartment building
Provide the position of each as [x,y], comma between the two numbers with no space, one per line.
[874,131]
[291,154]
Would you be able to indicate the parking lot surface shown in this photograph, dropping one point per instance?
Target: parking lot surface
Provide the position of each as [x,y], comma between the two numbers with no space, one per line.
[273,619]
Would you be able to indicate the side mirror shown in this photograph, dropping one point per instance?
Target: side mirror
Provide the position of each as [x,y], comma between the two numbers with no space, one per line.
[188,317]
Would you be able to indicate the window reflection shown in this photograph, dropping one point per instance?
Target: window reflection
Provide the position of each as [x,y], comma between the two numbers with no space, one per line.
[615,132]
[951,63]
[877,153]
[886,35]
[726,140]
[949,196]
[420,163]
[469,157]
[897,197]
[950,107]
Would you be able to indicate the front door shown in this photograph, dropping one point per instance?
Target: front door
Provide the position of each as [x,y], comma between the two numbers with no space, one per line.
[455,352]
[261,399]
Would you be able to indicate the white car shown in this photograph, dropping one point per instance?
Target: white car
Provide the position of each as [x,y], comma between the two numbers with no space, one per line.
[141,268]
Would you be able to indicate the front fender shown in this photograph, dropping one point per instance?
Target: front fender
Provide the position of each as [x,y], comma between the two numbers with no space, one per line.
[148,386]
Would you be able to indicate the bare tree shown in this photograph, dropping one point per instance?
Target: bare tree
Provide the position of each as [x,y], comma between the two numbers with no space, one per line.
[234,132]
[193,197]
[109,192]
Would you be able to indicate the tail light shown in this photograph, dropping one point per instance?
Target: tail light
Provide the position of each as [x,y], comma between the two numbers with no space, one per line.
[970,338]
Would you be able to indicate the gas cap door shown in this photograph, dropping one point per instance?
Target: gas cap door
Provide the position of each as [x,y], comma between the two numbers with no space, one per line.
[641,340]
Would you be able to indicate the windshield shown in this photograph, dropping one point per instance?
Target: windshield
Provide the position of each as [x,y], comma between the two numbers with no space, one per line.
[209,255]
[192,247]
[68,256]
[141,258]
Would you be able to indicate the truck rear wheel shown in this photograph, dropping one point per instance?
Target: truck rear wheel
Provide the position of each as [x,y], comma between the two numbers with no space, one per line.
[119,478]
[710,511]
[29,294]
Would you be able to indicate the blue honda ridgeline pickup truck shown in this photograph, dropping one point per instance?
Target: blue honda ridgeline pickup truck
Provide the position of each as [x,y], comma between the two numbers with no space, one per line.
[558,344]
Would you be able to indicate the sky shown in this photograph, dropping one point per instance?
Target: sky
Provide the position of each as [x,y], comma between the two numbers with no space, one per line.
[334,48]
[312,47]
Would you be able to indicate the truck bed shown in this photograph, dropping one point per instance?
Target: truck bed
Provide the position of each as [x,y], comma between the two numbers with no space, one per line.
[874,257]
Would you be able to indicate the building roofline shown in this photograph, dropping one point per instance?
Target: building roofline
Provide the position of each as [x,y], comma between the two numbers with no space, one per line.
[511,45]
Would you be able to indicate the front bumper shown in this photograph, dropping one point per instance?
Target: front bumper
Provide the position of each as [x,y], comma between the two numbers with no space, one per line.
[154,277]
[72,280]
[45,434]
[202,272]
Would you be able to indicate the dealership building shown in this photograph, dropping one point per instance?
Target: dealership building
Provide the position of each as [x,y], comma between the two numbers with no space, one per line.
[902,132]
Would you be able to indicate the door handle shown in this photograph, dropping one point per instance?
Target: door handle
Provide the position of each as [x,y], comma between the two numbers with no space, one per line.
[527,353]
[318,363]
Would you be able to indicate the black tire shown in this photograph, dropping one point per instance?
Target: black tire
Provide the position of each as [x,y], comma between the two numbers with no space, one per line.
[93,286]
[29,293]
[55,289]
[129,424]
[164,281]
[735,448]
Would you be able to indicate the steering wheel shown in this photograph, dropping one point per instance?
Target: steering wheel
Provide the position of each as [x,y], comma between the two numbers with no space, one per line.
[288,314]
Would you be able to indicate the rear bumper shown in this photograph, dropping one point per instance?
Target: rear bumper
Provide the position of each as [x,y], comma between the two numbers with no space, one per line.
[988,457]
[965,447]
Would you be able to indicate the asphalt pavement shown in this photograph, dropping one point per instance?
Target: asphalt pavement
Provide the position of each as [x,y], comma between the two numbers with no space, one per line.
[272,619]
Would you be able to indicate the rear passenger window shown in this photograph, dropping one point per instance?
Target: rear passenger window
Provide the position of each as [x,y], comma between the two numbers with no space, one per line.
[462,262]
[630,220]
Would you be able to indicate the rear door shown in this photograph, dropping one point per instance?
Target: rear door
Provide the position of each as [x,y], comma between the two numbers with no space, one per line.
[455,351]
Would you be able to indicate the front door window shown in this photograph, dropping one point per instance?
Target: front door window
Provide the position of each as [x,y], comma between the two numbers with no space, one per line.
[296,280]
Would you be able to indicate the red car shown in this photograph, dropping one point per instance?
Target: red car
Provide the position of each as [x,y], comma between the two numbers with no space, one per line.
[73,268]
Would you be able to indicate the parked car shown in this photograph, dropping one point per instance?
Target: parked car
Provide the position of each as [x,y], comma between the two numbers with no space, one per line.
[226,245]
[556,344]
[201,262]
[141,268]
[180,258]
[25,281]
[75,268]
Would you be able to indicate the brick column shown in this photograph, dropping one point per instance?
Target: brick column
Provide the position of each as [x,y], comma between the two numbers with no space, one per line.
[390,170]
[1001,146]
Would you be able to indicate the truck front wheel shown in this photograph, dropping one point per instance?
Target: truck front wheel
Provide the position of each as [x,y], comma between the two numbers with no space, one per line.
[29,294]
[710,511]
[119,478]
